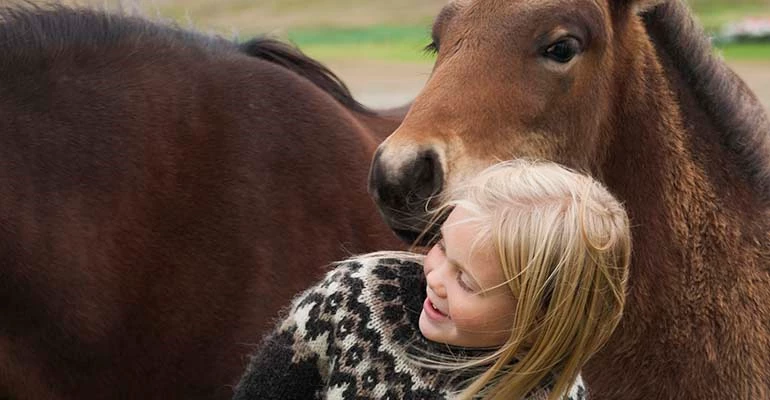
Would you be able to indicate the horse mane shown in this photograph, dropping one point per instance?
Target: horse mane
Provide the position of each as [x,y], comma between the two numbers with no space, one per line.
[291,58]
[732,107]
[30,32]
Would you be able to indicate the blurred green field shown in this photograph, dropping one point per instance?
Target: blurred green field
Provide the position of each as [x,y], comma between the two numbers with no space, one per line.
[746,52]
[381,42]
[404,42]
[713,14]
[392,30]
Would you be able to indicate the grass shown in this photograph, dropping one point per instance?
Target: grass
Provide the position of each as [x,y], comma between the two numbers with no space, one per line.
[713,16]
[393,30]
[405,44]
[384,43]
[746,51]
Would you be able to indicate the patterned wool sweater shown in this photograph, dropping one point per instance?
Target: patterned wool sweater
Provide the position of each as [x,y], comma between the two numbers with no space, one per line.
[348,338]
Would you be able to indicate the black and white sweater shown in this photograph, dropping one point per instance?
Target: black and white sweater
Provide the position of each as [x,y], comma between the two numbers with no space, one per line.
[348,338]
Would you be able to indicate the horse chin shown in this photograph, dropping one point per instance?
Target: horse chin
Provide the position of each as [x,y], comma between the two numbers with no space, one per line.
[414,231]
[410,237]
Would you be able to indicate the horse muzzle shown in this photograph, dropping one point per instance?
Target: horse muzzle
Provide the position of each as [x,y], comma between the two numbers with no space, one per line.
[405,192]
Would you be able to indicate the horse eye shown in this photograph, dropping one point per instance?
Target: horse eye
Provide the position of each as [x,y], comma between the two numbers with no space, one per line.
[564,50]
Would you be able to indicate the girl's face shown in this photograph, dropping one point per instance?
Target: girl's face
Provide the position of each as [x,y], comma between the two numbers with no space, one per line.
[466,304]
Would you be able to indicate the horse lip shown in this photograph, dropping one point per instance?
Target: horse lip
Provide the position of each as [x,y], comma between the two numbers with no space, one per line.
[407,236]
[418,231]
[406,232]
[410,236]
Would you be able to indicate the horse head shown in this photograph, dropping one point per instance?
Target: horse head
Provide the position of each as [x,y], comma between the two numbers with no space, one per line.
[512,79]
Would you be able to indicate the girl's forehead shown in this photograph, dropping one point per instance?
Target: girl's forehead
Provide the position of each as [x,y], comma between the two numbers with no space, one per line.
[458,214]
[466,246]
[462,229]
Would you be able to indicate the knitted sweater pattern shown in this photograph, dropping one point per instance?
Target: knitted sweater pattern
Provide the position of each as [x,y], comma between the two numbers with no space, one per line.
[349,337]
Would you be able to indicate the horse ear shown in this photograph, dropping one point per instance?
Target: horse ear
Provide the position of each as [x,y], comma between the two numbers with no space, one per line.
[638,6]
[641,6]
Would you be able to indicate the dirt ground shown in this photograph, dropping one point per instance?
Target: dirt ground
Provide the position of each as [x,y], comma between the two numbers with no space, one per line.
[381,85]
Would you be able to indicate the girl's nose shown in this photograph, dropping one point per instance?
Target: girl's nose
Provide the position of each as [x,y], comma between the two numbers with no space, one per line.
[433,272]
[438,288]
[435,282]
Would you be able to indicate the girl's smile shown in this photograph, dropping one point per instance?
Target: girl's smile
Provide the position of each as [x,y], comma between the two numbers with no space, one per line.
[433,312]
[467,302]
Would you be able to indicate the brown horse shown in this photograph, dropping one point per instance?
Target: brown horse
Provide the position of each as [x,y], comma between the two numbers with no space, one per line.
[629,91]
[162,194]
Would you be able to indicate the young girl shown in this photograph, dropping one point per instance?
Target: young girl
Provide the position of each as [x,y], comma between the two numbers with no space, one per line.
[525,284]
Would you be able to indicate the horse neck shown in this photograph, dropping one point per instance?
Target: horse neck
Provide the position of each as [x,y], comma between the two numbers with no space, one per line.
[677,147]
[386,121]
[700,234]
[652,149]
[377,126]
[717,107]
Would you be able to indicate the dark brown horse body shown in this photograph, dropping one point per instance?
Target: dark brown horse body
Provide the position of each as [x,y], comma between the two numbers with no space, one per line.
[628,91]
[162,195]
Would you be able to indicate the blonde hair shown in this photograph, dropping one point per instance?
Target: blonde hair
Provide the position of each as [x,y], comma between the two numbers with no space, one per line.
[564,244]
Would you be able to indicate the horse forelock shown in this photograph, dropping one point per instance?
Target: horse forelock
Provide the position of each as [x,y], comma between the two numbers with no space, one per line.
[730,104]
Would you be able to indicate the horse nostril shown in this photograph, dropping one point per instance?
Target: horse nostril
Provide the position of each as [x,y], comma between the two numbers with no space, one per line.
[409,189]
[427,176]
[405,195]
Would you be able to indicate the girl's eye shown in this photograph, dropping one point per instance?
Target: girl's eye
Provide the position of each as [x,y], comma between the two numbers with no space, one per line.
[464,286]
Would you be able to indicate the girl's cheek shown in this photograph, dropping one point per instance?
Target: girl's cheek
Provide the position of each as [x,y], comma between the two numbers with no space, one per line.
[469,315]
[465,315]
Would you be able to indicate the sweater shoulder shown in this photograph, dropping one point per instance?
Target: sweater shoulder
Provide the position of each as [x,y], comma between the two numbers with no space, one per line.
[378,267]
[364,284]
[368,308]
[381,273]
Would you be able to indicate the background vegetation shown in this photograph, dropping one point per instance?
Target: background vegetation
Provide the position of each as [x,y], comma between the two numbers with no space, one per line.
[392,30]
[382,30]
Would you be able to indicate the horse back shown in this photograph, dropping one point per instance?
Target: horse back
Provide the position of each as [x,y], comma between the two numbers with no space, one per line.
[160,204]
